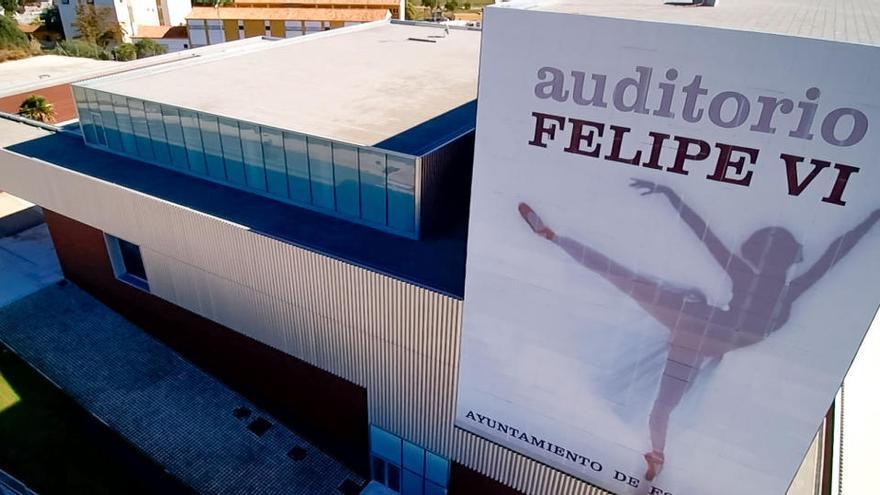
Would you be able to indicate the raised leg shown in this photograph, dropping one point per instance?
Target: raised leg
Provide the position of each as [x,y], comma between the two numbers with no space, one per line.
[535,222]
[681,369]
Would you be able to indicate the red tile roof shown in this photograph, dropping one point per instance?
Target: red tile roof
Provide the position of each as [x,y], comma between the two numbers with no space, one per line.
[160,32]
[60,96]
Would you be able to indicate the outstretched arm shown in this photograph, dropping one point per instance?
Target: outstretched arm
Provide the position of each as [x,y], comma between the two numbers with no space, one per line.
[717,249]
[835,252]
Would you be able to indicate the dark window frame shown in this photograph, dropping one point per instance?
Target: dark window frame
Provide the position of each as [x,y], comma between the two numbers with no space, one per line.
[127,262]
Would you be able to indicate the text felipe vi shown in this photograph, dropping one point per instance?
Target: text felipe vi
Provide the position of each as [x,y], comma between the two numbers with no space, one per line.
[841,127]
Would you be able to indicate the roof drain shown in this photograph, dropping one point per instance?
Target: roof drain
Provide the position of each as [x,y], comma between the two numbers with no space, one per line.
[432,38]
[692,3]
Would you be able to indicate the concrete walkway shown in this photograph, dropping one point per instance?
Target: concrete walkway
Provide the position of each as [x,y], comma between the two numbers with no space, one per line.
[199,430]
[27,263]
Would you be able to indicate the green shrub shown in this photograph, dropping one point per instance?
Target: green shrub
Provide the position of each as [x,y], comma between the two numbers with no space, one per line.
[10,35]
[80,48]
[125,52]
[148,48]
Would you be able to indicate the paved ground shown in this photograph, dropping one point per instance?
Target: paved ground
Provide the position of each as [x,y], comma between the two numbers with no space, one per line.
[175,413]
[27,262]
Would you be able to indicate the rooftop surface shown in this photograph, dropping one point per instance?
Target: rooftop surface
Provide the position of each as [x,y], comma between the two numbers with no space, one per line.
[51,75]
[362,85]
[436,263]
[17,75]
[856,21]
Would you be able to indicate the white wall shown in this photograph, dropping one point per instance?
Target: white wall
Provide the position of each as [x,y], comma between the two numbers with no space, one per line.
[175,11]
[174,45]
[141,13]
[129,13]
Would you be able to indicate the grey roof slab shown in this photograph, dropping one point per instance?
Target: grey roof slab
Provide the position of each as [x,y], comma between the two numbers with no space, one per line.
[360,85]
[855,21]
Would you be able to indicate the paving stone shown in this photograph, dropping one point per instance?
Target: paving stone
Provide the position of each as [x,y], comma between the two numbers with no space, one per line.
[171,410]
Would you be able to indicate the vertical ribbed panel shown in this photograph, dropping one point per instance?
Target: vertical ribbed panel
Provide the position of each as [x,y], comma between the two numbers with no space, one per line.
[444,183]
[399,341]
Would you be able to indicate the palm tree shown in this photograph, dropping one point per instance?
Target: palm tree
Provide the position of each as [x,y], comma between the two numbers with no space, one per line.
[36,107]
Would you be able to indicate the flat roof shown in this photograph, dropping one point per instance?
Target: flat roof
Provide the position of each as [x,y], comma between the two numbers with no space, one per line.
[436,262]
[26,76]
[855,21]
[363,84]
[18,75]
[287,14]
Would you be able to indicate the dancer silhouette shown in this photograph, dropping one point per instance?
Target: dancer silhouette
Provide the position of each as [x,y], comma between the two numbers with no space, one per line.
[698,331]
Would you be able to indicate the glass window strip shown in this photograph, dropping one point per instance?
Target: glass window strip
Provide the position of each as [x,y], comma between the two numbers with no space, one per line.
[230,143]
[339,176]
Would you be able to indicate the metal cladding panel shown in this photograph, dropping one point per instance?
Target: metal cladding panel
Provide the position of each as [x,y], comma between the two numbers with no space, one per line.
[399,341]
[444,182]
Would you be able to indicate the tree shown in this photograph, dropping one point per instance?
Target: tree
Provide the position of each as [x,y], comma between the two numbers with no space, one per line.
[125,52]
[97,25]
[51,19]
[451,5]
[431,4]
[10,7]
[148,48]
[36,107]
[409,11]
[467,6]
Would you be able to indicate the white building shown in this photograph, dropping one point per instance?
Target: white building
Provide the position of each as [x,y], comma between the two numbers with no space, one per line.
[31,12]
[129,13]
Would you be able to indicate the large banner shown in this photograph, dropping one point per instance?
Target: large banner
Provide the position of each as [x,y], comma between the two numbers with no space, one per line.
[673,255]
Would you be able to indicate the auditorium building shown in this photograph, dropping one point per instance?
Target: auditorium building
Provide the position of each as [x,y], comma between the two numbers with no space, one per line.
[301,233]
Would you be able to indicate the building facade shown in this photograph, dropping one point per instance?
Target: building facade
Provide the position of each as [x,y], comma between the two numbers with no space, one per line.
[130,14]
[281,19]
[303,238]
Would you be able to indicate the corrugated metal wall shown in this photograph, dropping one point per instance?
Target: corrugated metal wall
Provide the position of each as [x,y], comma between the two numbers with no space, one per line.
[397,340]
[444,182]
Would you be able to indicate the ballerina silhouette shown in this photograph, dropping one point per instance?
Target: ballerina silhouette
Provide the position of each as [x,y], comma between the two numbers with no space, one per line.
[698,331]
